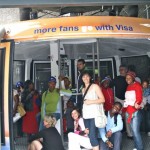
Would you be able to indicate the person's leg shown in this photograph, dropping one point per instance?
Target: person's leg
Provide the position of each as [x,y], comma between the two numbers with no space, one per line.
[38,118]
[19,128]
[73,141]
[116,140]
[128,127]
[35,145]
[135,125]
[103,145]
[147,122]
[93,134]
[79,141]
[56,115]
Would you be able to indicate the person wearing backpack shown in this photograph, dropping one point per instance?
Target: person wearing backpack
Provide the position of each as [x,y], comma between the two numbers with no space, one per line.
[111,135]
[50,101]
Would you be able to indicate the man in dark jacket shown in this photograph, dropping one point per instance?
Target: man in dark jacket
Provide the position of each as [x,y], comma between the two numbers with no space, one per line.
[81,66]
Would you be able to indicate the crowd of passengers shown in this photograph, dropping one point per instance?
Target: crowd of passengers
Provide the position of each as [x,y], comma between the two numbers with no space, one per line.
[126,102]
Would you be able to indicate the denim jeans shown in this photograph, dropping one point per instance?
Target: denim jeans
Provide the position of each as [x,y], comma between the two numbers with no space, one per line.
[116,140]
[135,126]
[147,120]
[93,131]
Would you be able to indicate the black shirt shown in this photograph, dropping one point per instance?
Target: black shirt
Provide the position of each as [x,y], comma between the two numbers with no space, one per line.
[51,139]
[120,86]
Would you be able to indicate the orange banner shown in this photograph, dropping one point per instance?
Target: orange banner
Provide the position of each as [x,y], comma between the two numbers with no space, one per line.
[81,26]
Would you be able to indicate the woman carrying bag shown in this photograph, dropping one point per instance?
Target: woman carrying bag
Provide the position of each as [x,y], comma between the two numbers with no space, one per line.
[93,97]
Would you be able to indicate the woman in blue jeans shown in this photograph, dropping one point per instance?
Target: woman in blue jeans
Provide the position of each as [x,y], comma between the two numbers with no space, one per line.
[133,100]
[92,98]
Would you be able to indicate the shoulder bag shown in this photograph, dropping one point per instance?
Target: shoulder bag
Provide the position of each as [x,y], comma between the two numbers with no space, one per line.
[100,117]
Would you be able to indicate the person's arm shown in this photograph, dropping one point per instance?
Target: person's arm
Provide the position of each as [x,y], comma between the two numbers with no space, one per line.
[119,126]
[81,123]
[138,92]
[66,92]
[100,96]
[36,136]
[102,133]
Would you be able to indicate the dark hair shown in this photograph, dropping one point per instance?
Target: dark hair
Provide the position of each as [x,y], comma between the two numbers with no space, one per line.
[27,83]
[81,60]
[118,103]
[145,81]
[89,74]
[124,66]
[78,110]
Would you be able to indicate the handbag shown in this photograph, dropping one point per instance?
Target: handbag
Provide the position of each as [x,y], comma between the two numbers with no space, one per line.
[21,109]
[100,117]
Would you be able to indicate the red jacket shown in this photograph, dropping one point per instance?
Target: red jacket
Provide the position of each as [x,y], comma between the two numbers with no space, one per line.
[137,88]
[109,98]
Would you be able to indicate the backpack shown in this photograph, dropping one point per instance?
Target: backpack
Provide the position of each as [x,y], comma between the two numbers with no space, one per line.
[115,117]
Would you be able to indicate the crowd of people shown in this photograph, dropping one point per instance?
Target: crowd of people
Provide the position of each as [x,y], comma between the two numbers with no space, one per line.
[125,102]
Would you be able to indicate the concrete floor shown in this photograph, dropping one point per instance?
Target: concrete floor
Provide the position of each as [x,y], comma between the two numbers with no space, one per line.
[127,144]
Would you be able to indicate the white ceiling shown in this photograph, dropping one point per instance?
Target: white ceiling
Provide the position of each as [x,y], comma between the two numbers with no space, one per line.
[79,48]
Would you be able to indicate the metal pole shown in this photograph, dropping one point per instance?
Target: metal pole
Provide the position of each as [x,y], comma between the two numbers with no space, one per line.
[98,58]
[61,97]
[93,54]
[147,11]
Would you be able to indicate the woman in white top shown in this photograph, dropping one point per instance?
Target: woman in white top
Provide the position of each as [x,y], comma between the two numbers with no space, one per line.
[79,137]
[93,97]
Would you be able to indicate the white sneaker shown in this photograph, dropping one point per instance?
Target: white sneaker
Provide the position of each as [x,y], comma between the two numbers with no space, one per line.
[134,149]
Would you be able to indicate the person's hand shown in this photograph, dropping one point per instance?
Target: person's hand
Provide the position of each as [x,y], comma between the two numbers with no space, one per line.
[32,92]
[137,106]
[109,134]
[109,144]
[87,102]
[60,77]
[86,131]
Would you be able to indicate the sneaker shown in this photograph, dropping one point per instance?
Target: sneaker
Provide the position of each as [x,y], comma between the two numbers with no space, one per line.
[134,149]
[148,134]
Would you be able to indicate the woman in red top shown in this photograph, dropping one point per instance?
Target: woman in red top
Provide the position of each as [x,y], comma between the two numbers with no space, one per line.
[29,98]
[133,100]
[108,93]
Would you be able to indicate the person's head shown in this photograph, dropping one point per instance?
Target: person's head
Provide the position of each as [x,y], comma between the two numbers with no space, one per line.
[130,77]
[66,82]
[105,82]
[123,70]
[117,106]
[19,86]
[86,77]
[29,85]
[49,121]
[80,64]
[52,83]
[70,104]
[75,114]
[145,84]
